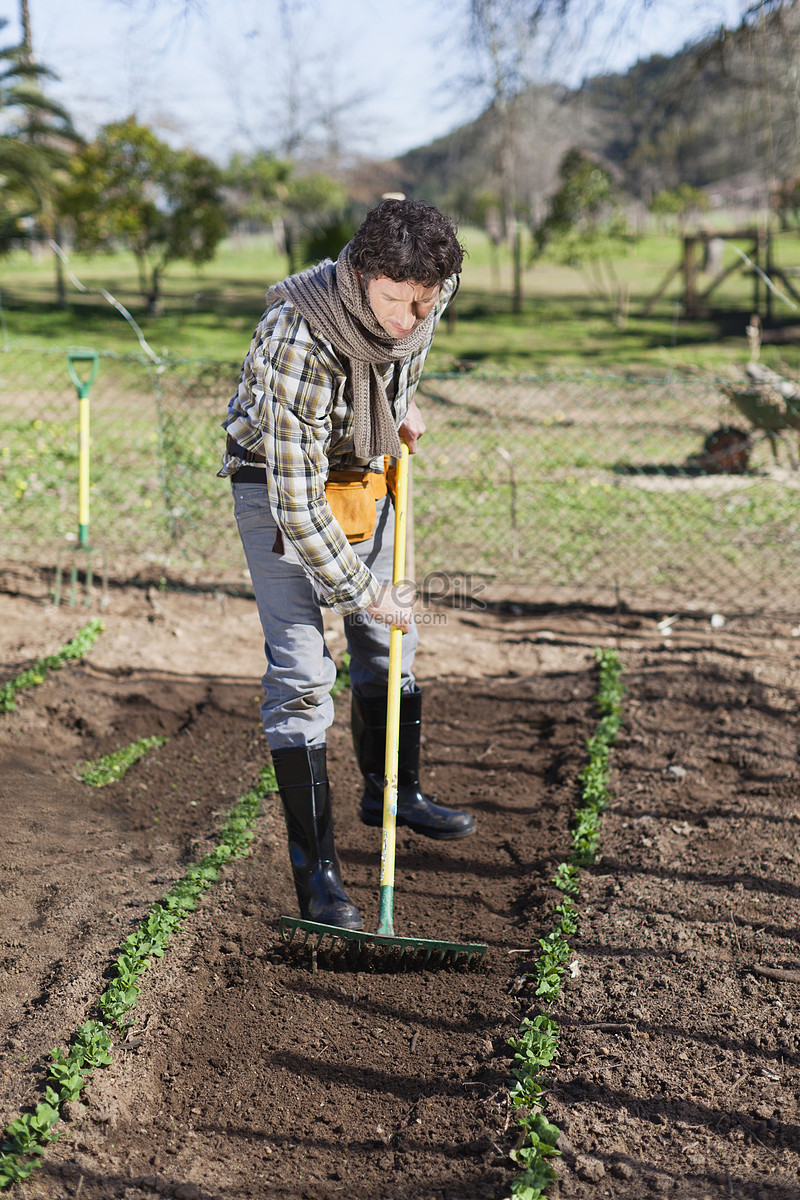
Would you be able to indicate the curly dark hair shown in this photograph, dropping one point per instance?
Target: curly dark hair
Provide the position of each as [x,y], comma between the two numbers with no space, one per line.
[407,241]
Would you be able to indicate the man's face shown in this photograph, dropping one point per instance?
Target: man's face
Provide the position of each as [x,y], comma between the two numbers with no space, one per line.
[400,307]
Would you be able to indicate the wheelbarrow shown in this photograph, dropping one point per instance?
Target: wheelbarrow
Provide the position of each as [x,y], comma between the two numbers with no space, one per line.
[771,404]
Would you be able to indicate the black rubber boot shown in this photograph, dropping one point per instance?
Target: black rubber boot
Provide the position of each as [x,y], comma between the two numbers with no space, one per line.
[368,719]
[302,776]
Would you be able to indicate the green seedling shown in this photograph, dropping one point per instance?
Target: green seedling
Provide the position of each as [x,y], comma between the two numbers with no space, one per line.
[28,1131]
[117,1001]
[66,1076]
[537,1045]
[112,767]
[534,1050]
[27,1136]
[77,648]
[566,878]
[154,932]
[13,1169]
[567,915]
[551,965]
[92,1043]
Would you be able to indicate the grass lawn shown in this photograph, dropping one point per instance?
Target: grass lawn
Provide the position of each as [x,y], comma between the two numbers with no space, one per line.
[560,444]
[564,326]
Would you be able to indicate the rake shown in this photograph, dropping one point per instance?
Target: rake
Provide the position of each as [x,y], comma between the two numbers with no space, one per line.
[82,556]
[384,949]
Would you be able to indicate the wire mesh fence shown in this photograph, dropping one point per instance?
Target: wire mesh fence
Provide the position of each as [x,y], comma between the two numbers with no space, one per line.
[640,487]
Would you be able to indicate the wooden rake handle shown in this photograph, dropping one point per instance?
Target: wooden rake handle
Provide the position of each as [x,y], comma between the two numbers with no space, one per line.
[389,838]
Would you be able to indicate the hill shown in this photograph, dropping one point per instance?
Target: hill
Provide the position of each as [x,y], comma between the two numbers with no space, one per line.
[726,107]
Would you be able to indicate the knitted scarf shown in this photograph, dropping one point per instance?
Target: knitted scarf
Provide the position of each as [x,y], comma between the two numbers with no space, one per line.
[331,298]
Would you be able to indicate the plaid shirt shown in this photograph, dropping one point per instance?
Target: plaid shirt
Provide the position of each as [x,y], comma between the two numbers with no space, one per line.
[294,403]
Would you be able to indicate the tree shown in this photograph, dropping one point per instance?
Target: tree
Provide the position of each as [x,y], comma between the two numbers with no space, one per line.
[684,202]
[785,199]
[316,220]
[585,225]
[502,33]
[257,187]
[483,208]
[327,238]
[130,188]
[306,211]
[35,145]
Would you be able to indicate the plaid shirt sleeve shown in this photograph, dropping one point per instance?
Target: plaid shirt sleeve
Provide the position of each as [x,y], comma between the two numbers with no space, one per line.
[291,381]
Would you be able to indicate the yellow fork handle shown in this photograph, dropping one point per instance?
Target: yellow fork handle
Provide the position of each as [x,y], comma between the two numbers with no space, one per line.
[389,839]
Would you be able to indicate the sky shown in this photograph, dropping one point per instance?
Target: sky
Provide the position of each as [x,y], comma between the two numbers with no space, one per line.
[391,76]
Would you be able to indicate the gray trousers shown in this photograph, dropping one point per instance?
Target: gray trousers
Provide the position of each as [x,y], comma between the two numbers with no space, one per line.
[298,708]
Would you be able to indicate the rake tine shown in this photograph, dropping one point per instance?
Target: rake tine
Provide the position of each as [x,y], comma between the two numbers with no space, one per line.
[73,584]
[57,582]
[89,577]
[76,575]
[104,581]
[378,950]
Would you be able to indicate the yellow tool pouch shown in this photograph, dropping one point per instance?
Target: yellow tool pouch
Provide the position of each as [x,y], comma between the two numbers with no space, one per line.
[352,496]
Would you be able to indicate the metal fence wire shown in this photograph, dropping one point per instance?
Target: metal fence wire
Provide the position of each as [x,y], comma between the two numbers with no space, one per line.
[640,487]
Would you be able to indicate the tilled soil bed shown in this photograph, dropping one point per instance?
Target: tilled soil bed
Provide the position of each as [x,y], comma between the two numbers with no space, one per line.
[247,1074]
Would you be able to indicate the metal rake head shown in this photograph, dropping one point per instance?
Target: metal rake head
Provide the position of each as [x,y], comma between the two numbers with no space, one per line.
[374,951]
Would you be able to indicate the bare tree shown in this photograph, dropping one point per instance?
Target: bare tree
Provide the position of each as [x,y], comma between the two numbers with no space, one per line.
[313,114]
[502,33]
[775,50]
[511,42]
[307,113]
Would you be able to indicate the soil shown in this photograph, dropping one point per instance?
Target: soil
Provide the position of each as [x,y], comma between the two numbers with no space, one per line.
[248,1074]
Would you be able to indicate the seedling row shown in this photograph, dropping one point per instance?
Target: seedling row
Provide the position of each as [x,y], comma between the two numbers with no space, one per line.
[535,1048]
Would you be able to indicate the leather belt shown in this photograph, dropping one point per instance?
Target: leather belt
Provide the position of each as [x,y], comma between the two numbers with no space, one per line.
[247,474]
[233,448]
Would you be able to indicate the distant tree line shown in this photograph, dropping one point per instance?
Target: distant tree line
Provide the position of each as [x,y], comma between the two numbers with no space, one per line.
[657,138]
[545,170]
[128,188]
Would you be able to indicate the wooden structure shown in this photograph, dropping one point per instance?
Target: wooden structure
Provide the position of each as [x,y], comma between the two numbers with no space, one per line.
[699,252]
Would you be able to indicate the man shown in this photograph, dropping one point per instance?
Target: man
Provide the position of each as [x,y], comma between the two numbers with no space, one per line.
[325,396]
